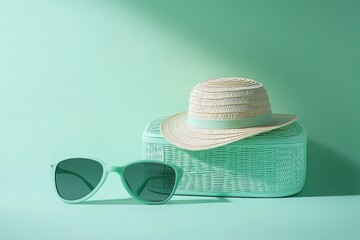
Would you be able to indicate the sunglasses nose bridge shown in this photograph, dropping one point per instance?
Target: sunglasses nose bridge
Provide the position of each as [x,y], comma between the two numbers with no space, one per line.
[116,169]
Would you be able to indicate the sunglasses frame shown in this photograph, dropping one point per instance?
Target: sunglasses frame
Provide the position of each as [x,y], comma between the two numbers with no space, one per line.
[119,170]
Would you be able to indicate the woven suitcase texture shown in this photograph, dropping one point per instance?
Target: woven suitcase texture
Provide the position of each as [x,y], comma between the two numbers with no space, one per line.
[271,164]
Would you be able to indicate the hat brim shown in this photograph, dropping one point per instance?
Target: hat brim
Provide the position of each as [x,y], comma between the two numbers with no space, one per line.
[182,135]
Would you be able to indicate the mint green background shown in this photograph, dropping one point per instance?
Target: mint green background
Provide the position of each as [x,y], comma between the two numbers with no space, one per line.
[84,77]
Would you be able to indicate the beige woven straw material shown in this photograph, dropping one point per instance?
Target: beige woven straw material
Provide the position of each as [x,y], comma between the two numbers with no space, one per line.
[222,111]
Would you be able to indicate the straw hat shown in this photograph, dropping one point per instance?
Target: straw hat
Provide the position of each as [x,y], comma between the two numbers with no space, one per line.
[222,111]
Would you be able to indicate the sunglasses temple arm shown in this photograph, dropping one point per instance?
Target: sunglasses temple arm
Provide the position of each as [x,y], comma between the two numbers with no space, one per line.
[64,171]
[142,186]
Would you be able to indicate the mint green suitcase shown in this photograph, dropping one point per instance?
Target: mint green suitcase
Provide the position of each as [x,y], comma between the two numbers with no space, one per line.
[271,164]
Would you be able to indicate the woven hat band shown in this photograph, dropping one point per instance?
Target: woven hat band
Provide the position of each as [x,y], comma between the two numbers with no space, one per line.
[222,124]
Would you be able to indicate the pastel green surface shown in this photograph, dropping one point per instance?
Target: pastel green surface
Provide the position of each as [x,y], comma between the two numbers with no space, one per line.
[84,77]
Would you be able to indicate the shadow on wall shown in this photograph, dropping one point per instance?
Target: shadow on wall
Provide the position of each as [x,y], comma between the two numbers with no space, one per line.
[329,173]
[279,35]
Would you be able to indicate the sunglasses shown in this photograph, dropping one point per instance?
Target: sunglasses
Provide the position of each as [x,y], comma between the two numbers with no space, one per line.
[150,182]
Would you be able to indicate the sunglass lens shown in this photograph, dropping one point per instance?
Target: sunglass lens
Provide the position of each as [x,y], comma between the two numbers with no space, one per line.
[75,178]
[152,182]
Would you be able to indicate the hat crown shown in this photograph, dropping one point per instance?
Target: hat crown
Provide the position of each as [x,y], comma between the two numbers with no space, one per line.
[228,99]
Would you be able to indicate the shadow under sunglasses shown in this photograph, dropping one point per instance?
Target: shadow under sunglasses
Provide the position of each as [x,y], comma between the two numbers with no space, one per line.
[131,201]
